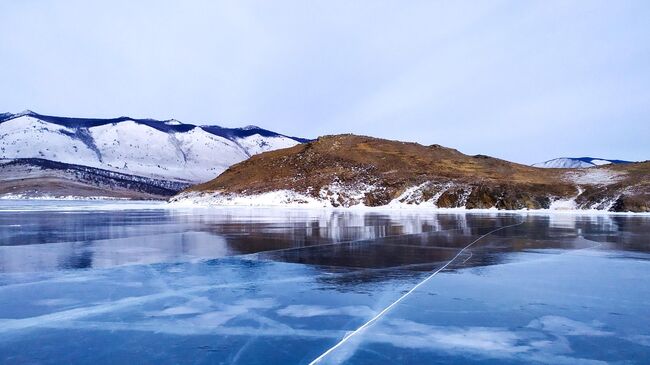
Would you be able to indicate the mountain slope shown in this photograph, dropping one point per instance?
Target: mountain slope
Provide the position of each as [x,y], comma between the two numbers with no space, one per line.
[576,162]
[34,177]
[167,150]
[347,170]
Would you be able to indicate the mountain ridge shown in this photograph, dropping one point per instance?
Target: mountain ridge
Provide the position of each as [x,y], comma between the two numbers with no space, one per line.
[163,125]
[157,149]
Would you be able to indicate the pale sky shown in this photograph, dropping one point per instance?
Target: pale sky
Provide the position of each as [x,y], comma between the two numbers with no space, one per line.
[521,80]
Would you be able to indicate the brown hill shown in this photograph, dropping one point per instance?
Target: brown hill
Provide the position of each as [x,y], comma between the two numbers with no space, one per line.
[345,170]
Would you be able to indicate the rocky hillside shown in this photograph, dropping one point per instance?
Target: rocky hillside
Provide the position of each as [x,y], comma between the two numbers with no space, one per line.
[349,170]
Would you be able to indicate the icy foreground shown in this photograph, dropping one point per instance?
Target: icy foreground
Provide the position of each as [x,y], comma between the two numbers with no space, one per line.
[93,283]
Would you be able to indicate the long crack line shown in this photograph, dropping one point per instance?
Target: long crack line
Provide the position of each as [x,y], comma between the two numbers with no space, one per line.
[387,309]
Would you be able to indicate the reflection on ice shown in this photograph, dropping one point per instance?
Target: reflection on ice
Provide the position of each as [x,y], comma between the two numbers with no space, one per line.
[104,253]
[283,286]
[568,327]
[570,307]
[499,343]
[303,311]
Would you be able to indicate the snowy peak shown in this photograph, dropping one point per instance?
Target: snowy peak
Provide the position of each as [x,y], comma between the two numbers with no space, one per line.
[576,162]
[167,149]
[235,133]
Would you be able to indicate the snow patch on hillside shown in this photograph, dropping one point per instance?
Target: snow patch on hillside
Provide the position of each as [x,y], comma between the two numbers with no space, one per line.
[332,196]
[603,176]
[598,162]
[424,196]
[257,144]
[415,195]
[291,199]
[338,194]
[564,204]
[279,198]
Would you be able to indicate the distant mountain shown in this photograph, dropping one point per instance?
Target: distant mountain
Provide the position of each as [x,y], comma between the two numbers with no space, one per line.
[576,162]
[156,149]
[349,170]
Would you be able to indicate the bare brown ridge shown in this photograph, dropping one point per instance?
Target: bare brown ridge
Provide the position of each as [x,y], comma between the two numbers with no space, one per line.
[386,169]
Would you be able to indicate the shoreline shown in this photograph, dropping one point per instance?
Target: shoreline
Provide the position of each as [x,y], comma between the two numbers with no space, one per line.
[161,204]
[291,200]
[411,208]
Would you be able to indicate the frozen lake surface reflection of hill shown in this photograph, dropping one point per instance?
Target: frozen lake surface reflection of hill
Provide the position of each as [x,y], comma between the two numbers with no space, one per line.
[125,282]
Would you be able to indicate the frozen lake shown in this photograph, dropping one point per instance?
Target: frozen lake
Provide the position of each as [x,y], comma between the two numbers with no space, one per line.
[119,282]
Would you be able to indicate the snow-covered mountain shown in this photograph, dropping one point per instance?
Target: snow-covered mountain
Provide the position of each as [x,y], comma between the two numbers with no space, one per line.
[168,150]
[576,162]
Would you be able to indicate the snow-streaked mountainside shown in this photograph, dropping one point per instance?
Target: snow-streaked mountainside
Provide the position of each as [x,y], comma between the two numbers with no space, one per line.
[168,149]
[576,162]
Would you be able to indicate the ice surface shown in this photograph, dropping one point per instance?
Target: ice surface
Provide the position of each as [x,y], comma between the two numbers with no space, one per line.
[564,308]
[125,282]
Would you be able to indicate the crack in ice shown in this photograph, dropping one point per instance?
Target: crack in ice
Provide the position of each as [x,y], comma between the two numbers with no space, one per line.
[387,309]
